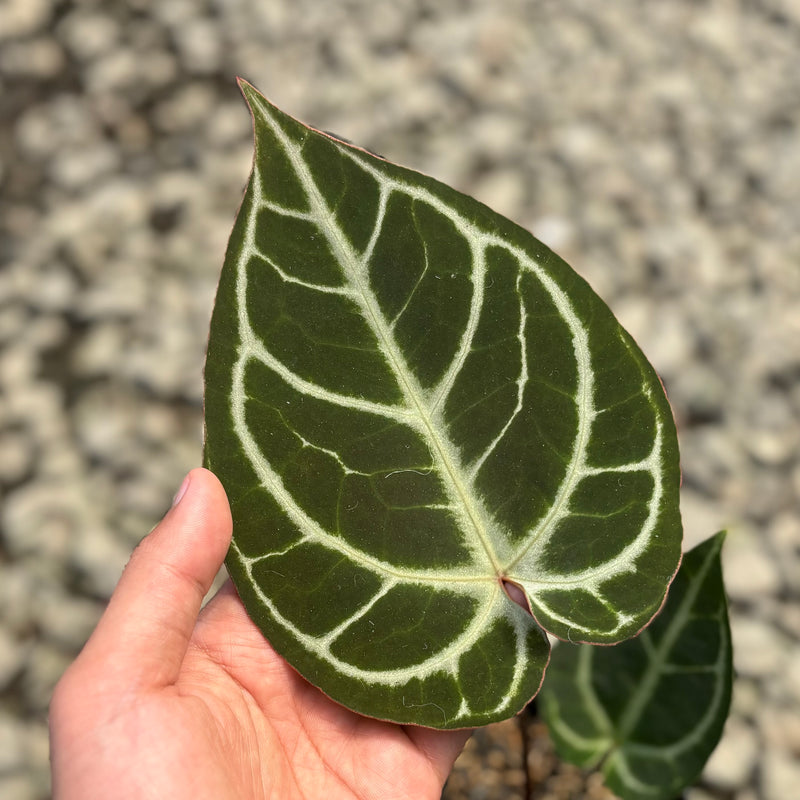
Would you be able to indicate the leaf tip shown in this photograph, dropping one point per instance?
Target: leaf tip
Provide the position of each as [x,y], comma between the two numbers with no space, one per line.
[249,91]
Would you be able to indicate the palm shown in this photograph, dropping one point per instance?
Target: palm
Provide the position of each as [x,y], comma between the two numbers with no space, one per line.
[252,706]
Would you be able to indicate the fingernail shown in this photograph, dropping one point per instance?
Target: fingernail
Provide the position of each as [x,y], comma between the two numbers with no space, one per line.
[181,492]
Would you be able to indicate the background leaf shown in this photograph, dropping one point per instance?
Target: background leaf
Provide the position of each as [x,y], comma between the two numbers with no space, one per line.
[412,402]
[650,710]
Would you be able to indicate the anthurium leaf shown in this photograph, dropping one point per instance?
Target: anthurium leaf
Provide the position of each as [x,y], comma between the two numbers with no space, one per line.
[650,710]
[414,405]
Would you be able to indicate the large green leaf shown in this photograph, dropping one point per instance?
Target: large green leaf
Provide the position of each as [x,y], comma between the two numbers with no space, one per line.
[413,404]
[650,710]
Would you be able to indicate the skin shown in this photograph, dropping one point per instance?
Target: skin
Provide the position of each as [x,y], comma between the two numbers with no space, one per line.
[166,700]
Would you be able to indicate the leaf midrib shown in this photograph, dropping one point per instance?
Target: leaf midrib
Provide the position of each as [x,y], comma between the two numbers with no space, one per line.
[646,686]
[353,268]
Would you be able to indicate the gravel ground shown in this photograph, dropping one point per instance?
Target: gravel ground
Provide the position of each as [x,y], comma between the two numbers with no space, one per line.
[656,146]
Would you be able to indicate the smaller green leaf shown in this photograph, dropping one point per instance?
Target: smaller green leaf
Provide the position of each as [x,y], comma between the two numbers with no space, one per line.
[651,710]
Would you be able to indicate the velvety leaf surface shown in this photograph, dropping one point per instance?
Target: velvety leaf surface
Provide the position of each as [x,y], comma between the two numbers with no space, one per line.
[650,710]
[410,401]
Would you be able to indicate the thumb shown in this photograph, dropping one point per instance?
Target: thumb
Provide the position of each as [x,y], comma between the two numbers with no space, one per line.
[143,634]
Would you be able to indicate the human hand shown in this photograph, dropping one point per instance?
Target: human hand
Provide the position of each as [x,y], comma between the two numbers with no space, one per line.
[168,701]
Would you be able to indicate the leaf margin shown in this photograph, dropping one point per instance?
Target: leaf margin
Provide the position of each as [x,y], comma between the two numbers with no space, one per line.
[546,256]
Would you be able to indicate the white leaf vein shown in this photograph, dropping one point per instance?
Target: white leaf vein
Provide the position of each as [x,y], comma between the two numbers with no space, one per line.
[422,411]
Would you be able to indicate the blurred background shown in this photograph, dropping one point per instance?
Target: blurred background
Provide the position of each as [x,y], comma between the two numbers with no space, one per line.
[654,145]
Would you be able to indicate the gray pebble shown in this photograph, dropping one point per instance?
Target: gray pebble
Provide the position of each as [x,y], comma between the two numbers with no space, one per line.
[18,452]
[759,650]
[88,34]
[13,654]
[66,621]
[749,568]
[734,761]
[39,59]
[20,18]
[781,775]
